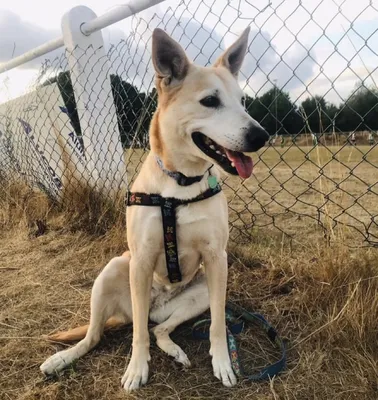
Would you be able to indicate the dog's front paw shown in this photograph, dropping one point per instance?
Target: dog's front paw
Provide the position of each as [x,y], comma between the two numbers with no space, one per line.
[136,374]
[56,363]
[223,370]
[182,358]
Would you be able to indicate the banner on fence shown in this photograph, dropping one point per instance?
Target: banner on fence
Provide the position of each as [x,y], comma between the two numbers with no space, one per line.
[37,140]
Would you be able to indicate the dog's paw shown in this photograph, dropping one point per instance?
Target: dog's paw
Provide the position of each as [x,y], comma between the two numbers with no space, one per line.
[223,370]
[175,351]
[55,363]
[136,375]
[181,357]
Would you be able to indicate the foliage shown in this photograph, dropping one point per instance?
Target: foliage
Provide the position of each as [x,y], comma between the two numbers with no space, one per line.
[63,80]
[273,109]
[360,111]
[134,110]
[314,111]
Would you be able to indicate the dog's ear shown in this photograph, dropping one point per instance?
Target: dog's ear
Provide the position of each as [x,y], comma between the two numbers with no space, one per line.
[233,57]
[169,58]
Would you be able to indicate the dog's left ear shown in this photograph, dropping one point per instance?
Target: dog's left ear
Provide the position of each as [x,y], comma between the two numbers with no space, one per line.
[233,57]
[169,58]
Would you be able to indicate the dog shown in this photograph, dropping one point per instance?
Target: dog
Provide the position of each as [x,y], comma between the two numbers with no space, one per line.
[200,128]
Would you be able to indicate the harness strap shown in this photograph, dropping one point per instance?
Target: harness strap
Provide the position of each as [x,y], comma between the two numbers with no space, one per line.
[236,317]
[168,207]
[168,210]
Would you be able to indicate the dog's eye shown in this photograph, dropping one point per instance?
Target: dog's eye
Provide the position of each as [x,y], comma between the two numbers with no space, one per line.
[243,101]
[210,101]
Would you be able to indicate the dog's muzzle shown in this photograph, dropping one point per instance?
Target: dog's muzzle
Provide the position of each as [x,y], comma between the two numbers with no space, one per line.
[233,162]
[255,138]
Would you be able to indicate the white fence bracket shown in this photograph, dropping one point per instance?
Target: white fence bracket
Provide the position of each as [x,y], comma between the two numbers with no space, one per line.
[89,69]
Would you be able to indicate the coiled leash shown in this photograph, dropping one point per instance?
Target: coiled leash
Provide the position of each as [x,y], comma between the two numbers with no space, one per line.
[236,317]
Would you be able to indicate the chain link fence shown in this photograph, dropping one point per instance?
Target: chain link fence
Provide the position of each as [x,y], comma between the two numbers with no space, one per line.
[321,163]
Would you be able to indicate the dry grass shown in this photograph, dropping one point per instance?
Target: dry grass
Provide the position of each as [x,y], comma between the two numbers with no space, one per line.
[331,185]
[321,298]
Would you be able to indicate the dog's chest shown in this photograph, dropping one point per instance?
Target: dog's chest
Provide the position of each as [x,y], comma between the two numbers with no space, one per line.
[198,230]
[200,227]
[189,216]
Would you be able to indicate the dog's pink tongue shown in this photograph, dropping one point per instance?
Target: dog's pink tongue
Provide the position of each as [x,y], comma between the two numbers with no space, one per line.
[243,163]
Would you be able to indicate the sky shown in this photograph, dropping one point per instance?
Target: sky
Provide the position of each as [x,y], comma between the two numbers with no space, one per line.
[308,47]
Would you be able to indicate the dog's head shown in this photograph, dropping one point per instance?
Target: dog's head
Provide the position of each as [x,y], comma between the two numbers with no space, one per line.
[201,112]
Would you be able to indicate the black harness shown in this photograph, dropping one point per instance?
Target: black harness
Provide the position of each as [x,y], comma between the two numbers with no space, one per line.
[168,207]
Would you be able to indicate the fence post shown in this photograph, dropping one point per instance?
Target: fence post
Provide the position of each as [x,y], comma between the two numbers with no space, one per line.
[90,75]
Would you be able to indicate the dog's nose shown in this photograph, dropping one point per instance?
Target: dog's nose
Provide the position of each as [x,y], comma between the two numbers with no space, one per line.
[256,136]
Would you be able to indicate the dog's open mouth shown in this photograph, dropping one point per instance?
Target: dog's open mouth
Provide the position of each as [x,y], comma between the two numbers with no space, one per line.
[233,162]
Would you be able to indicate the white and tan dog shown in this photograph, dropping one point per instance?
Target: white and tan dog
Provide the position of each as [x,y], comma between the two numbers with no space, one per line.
[200,121]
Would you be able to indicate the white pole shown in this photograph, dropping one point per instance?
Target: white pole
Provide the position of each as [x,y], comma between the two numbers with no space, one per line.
[32,54]
[115,15]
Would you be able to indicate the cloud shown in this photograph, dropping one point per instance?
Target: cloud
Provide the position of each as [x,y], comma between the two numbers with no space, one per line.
[132,58]
[265,66]
[203,27]
[130,52]
[18,36]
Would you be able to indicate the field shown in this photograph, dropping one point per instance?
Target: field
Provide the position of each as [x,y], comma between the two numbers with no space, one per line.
[320,295]
[330,185]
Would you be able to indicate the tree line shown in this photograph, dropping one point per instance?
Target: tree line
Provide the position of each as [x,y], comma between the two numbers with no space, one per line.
[274,110]
[278,114]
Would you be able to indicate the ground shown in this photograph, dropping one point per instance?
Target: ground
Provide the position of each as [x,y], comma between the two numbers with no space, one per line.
[331,185]
[320,295]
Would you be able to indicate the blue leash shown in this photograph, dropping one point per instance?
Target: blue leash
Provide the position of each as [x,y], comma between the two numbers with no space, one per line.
[236,317]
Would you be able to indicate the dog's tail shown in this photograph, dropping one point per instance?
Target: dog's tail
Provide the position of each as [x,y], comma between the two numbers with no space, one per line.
[80,332]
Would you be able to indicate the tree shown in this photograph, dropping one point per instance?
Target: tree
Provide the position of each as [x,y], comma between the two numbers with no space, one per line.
[63,80]
[360,111]
[150,108]
[318,115]
[129,103]
[275,111]
[134,109]
[332,113]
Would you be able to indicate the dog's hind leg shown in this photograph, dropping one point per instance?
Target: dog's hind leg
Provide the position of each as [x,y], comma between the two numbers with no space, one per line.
[192,302]
[110,297]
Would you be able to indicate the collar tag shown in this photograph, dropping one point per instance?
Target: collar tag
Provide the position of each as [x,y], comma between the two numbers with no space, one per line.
[212,181]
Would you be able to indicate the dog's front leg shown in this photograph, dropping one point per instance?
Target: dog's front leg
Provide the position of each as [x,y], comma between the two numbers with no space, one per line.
[216,274]
[140,287]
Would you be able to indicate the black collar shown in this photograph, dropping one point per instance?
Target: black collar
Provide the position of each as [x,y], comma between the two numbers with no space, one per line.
[180,178]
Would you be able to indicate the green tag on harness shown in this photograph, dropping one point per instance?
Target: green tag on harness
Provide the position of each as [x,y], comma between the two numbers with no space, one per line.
[212,180]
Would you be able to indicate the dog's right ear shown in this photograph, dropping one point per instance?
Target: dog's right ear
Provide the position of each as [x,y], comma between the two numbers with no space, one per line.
[169,58]
[233,57]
